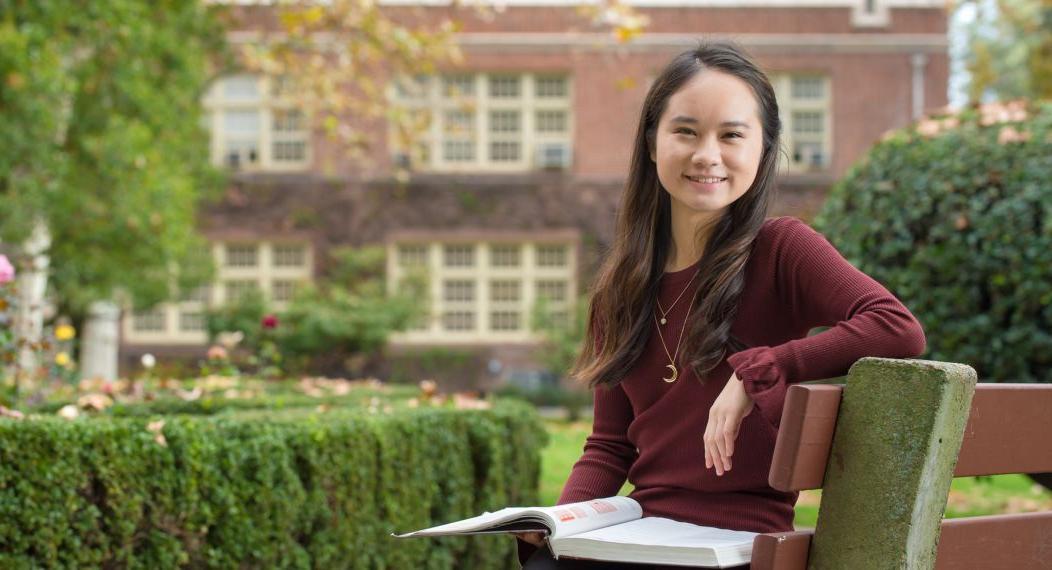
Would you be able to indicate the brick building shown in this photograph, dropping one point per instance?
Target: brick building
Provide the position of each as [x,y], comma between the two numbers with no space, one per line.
[513,197]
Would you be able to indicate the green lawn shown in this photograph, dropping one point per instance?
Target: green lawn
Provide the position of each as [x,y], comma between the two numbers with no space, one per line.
[969,496]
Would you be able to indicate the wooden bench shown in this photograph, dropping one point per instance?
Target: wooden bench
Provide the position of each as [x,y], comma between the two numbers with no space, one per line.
[831,433]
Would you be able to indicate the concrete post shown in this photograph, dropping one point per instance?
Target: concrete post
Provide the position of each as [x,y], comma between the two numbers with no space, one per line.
[899,430]
[99,348]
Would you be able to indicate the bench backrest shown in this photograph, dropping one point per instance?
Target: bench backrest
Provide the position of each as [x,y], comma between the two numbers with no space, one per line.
[1008,430]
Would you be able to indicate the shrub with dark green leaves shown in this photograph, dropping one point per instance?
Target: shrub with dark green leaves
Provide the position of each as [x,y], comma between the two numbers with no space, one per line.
[263,489]
[954,215]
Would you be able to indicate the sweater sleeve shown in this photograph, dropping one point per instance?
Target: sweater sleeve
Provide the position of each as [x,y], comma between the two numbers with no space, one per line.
[608,454]
[816,286]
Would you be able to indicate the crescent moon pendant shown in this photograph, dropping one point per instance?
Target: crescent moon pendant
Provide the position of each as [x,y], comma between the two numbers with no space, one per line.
[675,374]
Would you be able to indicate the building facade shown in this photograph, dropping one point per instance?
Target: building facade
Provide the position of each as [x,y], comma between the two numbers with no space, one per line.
[522,154]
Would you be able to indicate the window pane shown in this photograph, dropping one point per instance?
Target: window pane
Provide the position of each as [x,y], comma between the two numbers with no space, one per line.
[241,122]
[551,121]
[289,121]
[551,255]
[548,86]
[808,153]
[505,291]
[199,295]
[290,255]
[290,151]
[504,255]
[807,122]
[807,88]
[458,291]
[552,290]
[152,320]
[459,255]
[412,255]
[503,87]
[240,87]
[238,288]
[459,123]
[191,321]
[241,255]
[454,86]
[458,151]
[504,122]
[504,320]
[504,151]
[458,320]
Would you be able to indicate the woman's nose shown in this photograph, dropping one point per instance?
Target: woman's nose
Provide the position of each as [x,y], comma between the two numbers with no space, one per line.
[707,153]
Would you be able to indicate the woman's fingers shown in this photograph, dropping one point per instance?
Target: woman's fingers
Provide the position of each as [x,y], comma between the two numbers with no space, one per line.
[721,452]
[534,538]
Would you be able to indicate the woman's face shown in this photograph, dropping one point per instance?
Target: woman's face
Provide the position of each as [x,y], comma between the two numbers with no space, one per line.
[708,144]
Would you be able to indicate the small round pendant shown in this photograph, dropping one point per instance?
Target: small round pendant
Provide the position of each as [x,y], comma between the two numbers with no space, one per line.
[663,321]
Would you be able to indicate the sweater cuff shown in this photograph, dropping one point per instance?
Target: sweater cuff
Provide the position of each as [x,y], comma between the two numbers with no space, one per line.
[763,380]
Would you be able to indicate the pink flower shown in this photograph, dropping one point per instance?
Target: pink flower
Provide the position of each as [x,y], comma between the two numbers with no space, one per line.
[270,321]
[217,352]
[7,271]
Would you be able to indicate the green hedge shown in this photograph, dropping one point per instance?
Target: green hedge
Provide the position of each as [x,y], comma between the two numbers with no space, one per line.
[264,489]
[954,215]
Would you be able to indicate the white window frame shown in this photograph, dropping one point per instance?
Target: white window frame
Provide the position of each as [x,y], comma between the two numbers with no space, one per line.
[431,101]
[267,104]
[787,105]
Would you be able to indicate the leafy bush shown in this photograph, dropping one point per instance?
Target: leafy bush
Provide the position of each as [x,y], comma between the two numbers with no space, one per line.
[954,215]
[294,489]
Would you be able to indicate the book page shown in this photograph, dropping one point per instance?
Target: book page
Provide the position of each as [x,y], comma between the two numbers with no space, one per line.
[655,540]
[485,521]
[574,518]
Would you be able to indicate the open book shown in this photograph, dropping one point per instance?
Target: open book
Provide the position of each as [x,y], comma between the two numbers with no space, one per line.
[612,529]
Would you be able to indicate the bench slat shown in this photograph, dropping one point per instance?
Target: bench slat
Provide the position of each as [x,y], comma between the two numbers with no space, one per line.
[805,436]
[1018,541]
[1007,432]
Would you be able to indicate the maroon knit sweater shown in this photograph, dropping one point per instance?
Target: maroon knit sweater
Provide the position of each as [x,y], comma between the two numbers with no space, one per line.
[650,432]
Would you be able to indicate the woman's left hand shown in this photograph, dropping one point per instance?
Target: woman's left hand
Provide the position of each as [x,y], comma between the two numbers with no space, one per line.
[725,417]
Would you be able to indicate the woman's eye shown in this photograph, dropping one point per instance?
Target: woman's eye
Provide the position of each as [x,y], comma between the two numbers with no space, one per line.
[734,134]
[684,131]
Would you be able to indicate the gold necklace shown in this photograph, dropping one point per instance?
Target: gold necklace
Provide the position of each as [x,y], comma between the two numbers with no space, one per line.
[665,313]
[672,357]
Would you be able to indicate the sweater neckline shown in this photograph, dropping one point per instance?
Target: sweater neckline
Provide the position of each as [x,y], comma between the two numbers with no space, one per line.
[679,277]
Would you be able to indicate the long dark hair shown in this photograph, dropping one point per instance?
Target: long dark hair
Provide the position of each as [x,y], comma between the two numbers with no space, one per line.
[625,289]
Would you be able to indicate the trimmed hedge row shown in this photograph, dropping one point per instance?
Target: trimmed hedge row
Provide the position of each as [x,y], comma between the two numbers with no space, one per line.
[291,489]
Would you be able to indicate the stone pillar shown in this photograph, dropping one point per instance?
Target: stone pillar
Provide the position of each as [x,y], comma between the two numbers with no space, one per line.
[899,430]
[918,62]
[98,350]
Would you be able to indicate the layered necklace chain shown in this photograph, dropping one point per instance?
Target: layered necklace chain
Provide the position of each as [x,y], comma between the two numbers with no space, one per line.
[664,313]
[679,342]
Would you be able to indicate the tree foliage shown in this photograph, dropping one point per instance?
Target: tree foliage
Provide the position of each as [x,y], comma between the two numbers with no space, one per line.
[1009,49]
[100,114]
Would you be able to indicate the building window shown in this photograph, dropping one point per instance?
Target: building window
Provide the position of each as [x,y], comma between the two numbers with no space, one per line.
[237,289]
[458,320]
[504,321]
[504,255]
[554,291]
[412,255]
[500,127]
[459,255]
[152,320]
[551,87]
[290,256]
[254,127]
[458,291]
[191,321]
[504,86]
[242,255]
[551,256]
[805,107]
[505,291]
[282,290]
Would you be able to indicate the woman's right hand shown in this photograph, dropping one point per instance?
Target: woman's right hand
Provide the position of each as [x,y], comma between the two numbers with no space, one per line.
[534,538]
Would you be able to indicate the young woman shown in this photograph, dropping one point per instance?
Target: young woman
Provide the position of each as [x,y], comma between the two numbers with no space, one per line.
[700,314]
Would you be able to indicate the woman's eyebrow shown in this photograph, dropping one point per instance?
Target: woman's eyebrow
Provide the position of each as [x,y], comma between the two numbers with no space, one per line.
[693,121]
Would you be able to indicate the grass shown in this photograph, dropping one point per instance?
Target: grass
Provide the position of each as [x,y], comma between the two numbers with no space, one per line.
[969,496]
